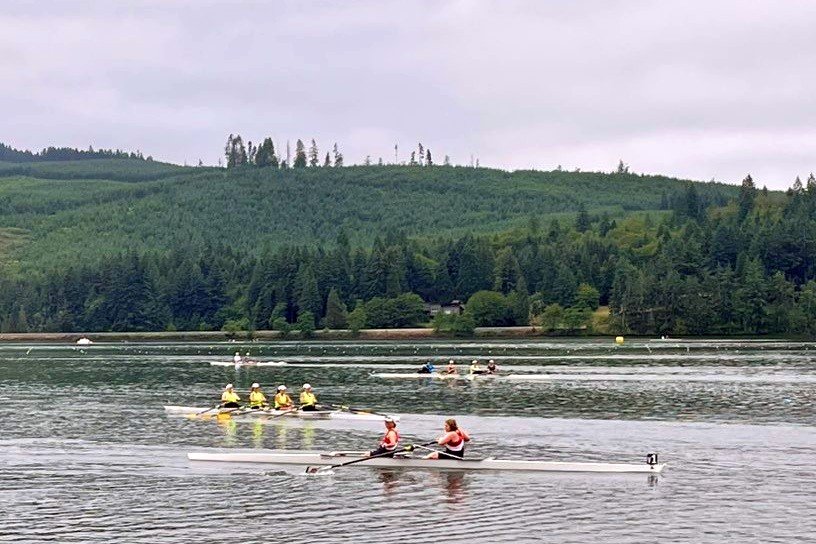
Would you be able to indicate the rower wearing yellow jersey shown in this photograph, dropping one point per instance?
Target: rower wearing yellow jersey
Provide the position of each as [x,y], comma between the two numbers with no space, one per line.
[257,399]
[475,368]
[229,398]
[308,400]
[282,400]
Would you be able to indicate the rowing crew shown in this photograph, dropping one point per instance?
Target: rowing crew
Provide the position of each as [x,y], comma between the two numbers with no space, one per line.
[281,400]
[239,360]
[492,368]
[453,440]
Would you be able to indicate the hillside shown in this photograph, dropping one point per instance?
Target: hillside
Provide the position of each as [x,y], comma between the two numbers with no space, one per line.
[62,211]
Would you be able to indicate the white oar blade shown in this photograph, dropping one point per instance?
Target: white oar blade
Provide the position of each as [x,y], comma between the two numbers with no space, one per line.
[325,471]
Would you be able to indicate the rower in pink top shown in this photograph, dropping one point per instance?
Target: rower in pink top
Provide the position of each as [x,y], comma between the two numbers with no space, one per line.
[454,441]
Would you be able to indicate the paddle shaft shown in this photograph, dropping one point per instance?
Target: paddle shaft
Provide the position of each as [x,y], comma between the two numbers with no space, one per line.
[446,454]
[360,410]
[388,453]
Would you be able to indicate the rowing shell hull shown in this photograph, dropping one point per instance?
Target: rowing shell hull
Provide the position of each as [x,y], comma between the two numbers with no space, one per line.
[489,463]
[224,363]
[433,376]
[264,414]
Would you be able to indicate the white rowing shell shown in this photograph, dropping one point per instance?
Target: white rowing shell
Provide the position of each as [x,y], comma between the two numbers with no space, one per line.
[490,463]
[270,363]
[300,414]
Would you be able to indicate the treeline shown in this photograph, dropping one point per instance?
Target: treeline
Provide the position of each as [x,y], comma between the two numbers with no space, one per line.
[744,268]
[10,154]
[265,155]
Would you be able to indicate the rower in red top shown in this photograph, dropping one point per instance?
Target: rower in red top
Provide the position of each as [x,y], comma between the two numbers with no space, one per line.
[388,445]
[454,441]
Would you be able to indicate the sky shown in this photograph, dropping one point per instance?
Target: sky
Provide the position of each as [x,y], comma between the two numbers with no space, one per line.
[693,89]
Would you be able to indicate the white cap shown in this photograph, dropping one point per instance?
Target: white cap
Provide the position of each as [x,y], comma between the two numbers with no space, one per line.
[256,385]
[388,419]
[229,386]
[306,386]
[281,388]
[451,362]
[490,361]
[237,353]
[475,362]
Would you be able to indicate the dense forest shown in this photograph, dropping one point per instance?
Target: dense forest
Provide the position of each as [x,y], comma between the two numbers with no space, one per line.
[130,244]
[10,154]
[743,267]
[101,207]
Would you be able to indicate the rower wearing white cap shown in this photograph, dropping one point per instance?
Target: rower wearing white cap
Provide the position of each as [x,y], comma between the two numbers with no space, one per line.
[308,400]
[257,399]
[282,400]
[388,445]
[451,368]
[229,398]
[236,359]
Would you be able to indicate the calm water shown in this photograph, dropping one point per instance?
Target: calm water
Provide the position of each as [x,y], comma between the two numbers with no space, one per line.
[87,454]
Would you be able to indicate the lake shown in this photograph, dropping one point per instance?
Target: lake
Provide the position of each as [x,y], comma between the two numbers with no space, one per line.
[88,455]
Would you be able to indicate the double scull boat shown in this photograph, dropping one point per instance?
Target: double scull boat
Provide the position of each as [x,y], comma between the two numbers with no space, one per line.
[432,375]
[249,363]
[283,457]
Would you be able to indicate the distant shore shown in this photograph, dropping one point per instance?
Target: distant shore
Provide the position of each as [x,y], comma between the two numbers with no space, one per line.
[224,336]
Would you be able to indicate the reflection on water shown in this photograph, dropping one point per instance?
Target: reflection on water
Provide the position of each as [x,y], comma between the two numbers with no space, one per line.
[735,420]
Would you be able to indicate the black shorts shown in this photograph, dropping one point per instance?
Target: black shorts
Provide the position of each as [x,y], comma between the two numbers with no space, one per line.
[382,452]
[230,405]
[450,453]
[308,408]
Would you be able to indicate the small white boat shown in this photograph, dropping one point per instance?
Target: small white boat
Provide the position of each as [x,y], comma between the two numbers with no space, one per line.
[84,341]
[249,363]
[273,414]
[432,376]
[283,457]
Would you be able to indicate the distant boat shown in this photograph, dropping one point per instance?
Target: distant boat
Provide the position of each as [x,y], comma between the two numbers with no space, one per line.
[84,342]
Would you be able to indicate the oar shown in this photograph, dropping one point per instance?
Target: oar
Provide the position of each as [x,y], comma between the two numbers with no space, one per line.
[319,469]
[283,413]
[250,410]
[446,454]
[358,410]
[202,412]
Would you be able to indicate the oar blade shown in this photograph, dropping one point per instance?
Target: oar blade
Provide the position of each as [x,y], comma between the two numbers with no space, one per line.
[319,470]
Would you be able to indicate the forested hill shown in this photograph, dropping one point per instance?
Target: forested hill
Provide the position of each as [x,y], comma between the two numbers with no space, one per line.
[68,211]
[128,244]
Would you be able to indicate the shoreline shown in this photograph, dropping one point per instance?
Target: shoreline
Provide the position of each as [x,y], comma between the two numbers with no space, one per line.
[336,334]
[226,336]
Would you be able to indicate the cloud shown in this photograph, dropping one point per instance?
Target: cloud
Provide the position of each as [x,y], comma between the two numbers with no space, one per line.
[691,89]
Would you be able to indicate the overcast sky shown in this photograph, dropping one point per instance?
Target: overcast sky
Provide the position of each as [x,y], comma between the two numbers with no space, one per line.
[695,89]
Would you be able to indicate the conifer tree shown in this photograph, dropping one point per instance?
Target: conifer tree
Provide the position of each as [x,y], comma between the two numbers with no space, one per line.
[338,157]
[428,158]
[300,155]
[336,311]
[327,161]
[314,160]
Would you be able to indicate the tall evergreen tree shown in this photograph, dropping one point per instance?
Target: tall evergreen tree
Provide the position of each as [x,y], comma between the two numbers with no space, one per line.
[300,155]
[336,311]
[314,160]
